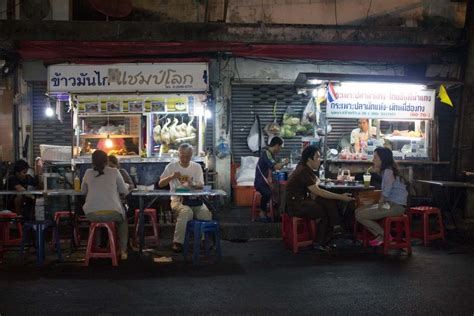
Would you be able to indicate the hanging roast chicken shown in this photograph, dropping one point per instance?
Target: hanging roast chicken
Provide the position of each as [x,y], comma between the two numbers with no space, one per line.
[157,132]
[165,132]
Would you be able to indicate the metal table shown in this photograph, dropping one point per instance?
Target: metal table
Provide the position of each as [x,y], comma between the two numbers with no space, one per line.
[167,193]
[449,204]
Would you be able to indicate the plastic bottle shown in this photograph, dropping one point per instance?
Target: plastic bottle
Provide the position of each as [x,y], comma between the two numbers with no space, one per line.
[39,209]
[168,217]
[77,184]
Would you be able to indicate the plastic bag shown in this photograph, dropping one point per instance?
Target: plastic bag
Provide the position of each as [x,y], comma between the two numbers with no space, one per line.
[254,136]
[273,129]
[222,148]
[309,113]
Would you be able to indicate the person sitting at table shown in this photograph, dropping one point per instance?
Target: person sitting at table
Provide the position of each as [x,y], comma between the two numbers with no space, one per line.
[126,200]
[103,186]
[360,135]
[184,174]
[114,163]
[307,200]
[393,199]
[19,181]
[265,165]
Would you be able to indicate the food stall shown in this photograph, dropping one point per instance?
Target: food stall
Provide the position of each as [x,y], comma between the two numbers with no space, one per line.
[139,112]
[401,116]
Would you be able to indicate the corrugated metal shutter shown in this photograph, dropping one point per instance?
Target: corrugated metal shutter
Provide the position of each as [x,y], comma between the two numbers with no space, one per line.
[249,100]
[48,130]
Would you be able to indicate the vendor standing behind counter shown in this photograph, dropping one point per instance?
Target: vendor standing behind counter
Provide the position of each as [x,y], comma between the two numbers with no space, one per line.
[360,135]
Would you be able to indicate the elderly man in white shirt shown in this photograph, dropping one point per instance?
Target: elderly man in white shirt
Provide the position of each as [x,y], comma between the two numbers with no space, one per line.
[360,135]
[188,174]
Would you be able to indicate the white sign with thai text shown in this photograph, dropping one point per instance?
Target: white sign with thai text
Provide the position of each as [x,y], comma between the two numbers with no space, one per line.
[378,103]
[128,78]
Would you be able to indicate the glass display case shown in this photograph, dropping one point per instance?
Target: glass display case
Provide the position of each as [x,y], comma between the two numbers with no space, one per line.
[407,139]
[118,135]
[166,131]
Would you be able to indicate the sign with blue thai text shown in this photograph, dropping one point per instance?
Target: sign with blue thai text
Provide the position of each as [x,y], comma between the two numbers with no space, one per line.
[128,78]
[381,102]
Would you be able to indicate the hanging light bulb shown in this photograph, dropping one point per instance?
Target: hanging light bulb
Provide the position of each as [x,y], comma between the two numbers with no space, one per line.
[108,142]
[49,112]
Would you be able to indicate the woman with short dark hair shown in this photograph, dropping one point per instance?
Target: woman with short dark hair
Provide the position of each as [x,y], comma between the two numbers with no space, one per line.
[103,186]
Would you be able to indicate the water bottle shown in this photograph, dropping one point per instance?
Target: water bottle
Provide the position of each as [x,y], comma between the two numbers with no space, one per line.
[162,217]
[39,209]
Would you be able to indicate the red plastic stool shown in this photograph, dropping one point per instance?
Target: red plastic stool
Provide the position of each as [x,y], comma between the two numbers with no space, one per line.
[255,210]
[425,212]
[94,251]
[151,212]
[66,214]
[6,220]
[402,225]
[299,232]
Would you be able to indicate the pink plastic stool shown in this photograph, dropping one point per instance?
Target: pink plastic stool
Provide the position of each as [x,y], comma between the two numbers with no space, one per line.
[154,239]
[94,251]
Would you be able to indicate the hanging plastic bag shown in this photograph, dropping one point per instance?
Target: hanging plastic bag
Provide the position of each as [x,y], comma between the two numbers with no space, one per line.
[272,129]
[222,148]
[255,135]
[309,113]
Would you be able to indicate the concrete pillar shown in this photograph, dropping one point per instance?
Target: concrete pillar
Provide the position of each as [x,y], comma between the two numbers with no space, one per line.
[466,139]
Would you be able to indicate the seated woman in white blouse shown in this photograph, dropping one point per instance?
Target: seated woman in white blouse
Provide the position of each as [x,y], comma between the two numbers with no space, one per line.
[103,186]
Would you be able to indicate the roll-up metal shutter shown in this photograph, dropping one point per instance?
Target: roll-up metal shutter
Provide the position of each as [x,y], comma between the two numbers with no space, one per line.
[249,100]
[48,130]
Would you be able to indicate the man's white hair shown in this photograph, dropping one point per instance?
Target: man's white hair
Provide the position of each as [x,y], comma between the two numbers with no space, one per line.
[185,146]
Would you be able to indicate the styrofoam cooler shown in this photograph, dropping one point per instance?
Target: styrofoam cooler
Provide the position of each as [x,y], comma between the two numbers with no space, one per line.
[56,153]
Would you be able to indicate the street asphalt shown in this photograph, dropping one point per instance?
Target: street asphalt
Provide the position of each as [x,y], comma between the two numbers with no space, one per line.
[257,277]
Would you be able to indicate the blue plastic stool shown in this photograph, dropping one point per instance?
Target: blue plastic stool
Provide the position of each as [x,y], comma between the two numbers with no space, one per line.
[198,228]
[39,228]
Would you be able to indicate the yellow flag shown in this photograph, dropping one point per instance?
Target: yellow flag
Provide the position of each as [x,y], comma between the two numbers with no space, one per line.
[444,97]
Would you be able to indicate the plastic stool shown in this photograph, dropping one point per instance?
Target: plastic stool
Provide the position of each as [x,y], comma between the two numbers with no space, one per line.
[255,209]
[94,251]
[66,214]
[39,228]
[198,228]
[402,225]
[298,232]
[425,212]
[6,220]
[151,212]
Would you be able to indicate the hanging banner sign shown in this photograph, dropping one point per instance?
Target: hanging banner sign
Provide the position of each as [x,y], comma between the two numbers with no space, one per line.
[128,78]
[381,103]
